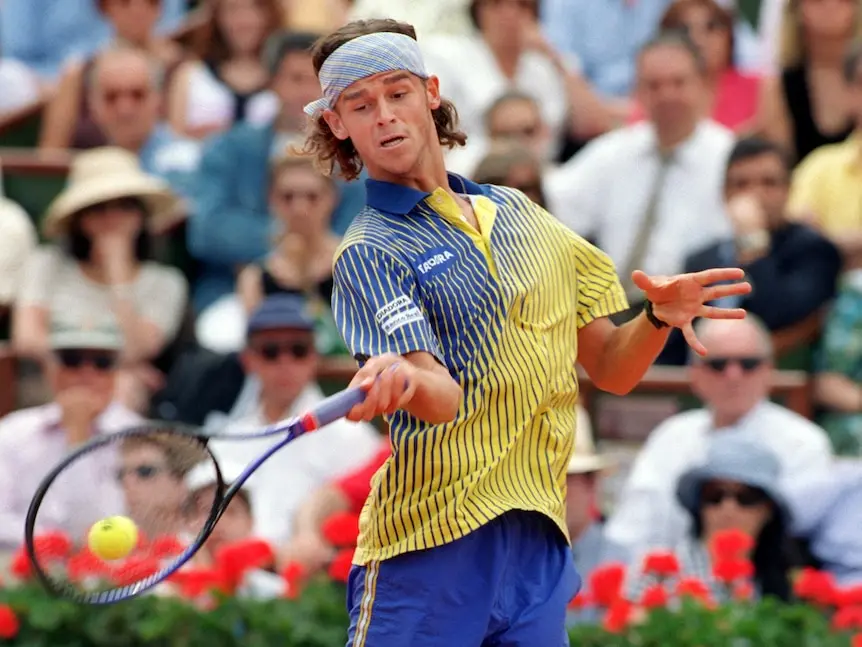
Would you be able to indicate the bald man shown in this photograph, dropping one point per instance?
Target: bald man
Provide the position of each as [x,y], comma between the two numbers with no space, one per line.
[733,382]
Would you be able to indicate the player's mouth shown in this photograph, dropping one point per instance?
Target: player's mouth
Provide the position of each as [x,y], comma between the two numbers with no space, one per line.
[391,142]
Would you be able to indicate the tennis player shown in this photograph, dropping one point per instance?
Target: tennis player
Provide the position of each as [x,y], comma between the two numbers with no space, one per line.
[467,308]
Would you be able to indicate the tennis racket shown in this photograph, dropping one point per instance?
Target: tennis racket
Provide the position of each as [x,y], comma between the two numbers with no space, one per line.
[143,474]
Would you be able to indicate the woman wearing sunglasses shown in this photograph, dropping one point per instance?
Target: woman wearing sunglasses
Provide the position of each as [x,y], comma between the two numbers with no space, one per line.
[735,489]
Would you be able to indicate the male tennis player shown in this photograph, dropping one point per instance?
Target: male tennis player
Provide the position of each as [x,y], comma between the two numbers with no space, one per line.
[467,307]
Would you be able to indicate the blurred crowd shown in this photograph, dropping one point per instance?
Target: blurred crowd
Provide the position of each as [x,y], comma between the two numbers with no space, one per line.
[677,135]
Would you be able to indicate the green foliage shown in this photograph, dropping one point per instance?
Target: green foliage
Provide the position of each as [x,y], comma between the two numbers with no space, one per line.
[319,619]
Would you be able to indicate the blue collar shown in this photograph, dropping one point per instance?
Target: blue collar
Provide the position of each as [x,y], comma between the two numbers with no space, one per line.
[398,199]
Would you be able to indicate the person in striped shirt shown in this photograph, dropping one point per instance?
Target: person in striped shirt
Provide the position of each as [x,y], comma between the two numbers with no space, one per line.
[467,308]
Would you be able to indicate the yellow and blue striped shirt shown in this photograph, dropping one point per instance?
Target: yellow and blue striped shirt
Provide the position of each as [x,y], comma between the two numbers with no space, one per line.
[500,308]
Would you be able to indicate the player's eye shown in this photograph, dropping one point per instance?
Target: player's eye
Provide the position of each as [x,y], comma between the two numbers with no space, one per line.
[399,95]
[360,107]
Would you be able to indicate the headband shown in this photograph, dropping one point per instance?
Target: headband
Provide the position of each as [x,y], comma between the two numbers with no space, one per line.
[362,57]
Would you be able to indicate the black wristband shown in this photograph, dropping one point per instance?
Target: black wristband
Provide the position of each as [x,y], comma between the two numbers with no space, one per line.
[655,321]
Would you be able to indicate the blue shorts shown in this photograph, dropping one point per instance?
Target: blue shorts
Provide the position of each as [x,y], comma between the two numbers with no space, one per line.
[504,585]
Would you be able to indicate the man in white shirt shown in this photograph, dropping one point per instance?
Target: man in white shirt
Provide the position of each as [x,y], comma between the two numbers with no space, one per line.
[733,381]
[651,193]
[280,363]
[82,370]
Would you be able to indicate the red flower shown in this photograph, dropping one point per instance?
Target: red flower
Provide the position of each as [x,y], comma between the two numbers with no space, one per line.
[815,586]
[20,566]
[134,569]
[341,530]
[165,547]
[339,568]
[581,600]
[654,597]
[693,588]
[848,597]
[743,590]
[731,545]
[194,582]
[294,575]
[237,558]
[856,641]
[84,565]
[661,563]
[729,571]
[618,616]
[52,545]
[606,583]
[847,618]
[9,624]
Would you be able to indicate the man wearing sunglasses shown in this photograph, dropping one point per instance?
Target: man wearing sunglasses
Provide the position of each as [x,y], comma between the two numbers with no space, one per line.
[81,371]
[280,367]
[733,381]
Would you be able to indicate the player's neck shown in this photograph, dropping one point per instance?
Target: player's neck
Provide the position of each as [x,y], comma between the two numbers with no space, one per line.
[428,174]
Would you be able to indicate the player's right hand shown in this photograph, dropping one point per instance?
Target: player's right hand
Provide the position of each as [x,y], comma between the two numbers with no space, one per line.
[389,381]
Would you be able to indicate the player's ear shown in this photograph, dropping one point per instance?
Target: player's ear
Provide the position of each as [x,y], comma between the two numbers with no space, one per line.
[432,91]
[333,120]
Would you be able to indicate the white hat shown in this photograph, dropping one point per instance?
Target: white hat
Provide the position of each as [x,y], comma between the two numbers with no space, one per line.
[86,335]
[17,239]
[584,457]
[109,173]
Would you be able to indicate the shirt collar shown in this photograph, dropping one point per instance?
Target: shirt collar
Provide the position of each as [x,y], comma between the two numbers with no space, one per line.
[401,200]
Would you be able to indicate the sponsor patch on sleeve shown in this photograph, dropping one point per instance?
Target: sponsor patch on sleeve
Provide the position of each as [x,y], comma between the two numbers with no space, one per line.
[397,314]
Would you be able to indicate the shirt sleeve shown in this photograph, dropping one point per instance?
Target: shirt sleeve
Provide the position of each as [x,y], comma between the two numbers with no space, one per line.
[600,293]
[376,305]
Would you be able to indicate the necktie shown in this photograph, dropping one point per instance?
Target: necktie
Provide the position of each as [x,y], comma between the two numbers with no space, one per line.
[645,231]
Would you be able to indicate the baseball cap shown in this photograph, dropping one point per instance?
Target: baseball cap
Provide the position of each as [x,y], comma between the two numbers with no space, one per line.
[281,311]
[91,336]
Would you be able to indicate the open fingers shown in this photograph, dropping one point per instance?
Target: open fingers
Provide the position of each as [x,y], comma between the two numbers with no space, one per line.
[719,274]
[692,340]
[727,290]
[714,312]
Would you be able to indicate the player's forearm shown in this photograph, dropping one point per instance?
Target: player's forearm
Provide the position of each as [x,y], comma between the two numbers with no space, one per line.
[437,397]
[629,352]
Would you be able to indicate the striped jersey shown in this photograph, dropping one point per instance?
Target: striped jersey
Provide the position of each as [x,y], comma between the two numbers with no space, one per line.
[500,308]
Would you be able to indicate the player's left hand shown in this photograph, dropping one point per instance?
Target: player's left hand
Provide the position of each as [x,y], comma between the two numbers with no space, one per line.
[679,300]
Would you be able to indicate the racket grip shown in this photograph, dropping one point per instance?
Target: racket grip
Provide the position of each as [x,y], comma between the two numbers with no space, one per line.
[337,406]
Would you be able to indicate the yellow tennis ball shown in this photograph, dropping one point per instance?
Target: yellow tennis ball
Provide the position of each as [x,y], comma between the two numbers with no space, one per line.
[113,538]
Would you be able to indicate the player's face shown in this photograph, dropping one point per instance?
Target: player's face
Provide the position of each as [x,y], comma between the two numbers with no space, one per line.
[766,178]
[388,118]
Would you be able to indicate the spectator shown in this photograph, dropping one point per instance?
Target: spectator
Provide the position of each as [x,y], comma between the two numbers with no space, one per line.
[82,371]
[731,95]
[590,547]
[231,224]
[514,167]
[280,363]
[440,17]
[806,106]
[508,52]
[758,24]
[47,34]
[514,117]
[634,190]
[17,241]
[826,190]
[827,512]
[604,38]
[793,267]
[307,545]
[125,98]
[733,381]
[151,474]
[737,488]
[67,122]
[104,217]
[21,87]
[838,380]
[229,82]
[320,17]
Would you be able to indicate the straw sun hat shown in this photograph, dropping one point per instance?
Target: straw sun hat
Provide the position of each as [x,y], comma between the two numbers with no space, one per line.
[104,174]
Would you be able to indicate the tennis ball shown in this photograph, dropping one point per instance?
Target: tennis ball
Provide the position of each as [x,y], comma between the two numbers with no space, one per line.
[113,538]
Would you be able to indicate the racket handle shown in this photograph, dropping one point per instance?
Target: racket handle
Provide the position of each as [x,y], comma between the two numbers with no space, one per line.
[336,407]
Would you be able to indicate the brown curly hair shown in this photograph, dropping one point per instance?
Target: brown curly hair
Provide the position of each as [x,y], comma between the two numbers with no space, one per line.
[333,155]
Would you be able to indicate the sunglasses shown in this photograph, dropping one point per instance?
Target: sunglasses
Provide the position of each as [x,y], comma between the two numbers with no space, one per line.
[271,351]
[747,364]
[745,497]
[72,358]
[289,197]
[142,472]
[137,95]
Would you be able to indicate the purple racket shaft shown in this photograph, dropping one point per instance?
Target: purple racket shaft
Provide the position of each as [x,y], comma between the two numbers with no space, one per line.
[329,410]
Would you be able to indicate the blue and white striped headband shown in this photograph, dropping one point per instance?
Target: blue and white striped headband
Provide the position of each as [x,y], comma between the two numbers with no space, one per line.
[362,57]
